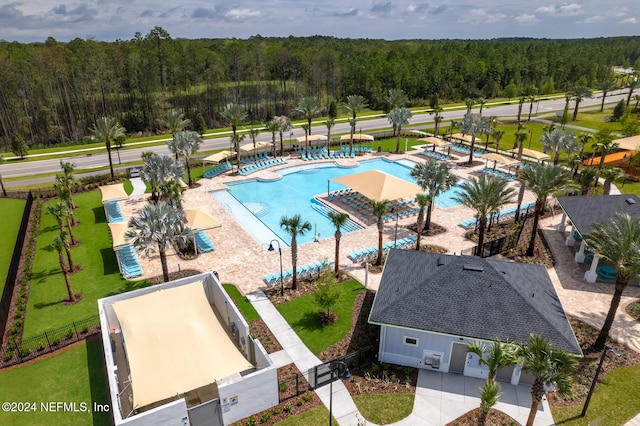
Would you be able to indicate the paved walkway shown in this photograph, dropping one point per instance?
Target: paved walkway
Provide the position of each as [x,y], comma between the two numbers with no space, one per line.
[139,186]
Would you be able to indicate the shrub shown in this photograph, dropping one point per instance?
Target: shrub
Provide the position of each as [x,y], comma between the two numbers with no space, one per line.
[40,347]
[18,322]
[17,314]
[288,407]
[84,330]
[328,293]
[252,421]
[282,386]
[307,396]
[55,342]
[265,417]
[375,367]
[8,355]
[24,352]
[69,334]
[299,402]
[276,411]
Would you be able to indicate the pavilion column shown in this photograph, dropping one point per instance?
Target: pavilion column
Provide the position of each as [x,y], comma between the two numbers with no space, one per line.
[570,241]
[562,225]
[579,257]
[591,275]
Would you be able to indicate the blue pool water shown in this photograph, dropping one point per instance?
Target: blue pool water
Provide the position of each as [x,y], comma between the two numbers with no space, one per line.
[269,201]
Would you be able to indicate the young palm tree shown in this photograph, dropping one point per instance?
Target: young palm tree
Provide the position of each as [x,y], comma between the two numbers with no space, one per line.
[59,247]
[253,133]
[156,226]
[437,118]
[474,125]
[107,130]
[481,102]
[542,179]
[603,145]
[234,114]
[493,122]
[273,126]
[578,93]
[62,235]
[337,220]
[498,355]
[609,174]
[399,117]
[532,100]
[284,126]
[187,143]
[433,177]
[586,178]
[521,102]
[632,84]
[489,396]
[497,135]
[67,183]
[308,107]
[469,102]
[157,169]
[329,123]
[171,192]
[61,212]
[379,209]
[559,140]
[236,140]
[606,87]
[423,201]
[583,140]
[617,241]
[306,129]
[175,122]
[486,195]
[396,98]
[294,226]
[548,365]
[354,104]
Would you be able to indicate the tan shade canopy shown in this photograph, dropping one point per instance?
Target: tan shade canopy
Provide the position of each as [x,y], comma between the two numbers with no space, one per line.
[434,141]
[174,343]
[113,192]
[357,137]
[117,233]
[312,138]
[531,153]
[500,158]
[249,147]
[629,144]
[218,157]
[377,185]
[200,218]
[462,137]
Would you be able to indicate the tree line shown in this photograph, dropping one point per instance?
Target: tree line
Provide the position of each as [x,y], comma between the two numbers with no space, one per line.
[53,92]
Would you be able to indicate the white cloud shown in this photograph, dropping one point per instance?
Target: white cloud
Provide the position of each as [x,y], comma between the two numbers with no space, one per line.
[593,19]
[629,21]
[527,18]
[565,9]
[241,15]
[481,16]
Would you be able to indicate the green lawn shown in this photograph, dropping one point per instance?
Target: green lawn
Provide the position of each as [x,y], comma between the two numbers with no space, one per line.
[10,216]
[98,278]
[615,401]
[243,304]
[75,375]
[302,315]
[315,416]
[384,408]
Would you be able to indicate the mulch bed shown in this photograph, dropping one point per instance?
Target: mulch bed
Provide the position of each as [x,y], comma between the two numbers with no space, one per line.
[176,275]
[494,417]
[304,288]
[633,309]
[434,229]
[259,330]
[383,378]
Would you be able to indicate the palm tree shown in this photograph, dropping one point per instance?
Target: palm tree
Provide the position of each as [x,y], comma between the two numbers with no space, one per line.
[61,212]
[548,365]
[481,102]
[489,396]
[308,107]
[603,145]
[66,183]
[542,180]
[294,226]
[273,126]
[175,122]
[285,126]
[155,226]
[423,201]
[586,178]
[583,139]
[107,130]
[399,117]
[486,195]
[354,104]
[497,135]
[520,104]
[532,100]
[498,355]
[253,133]
[578,93]
[234,114]
[330,122]
[236,140]
[157,169]
[379,209]
[433,177]
[469,102]
[337,220]
[617,241]
[4,190]
[493,122]
[171,192]
[632,84]
[606,87]
[187,143]
[306,129]
[396,98]
[58,245]
[474,125]
[565,112]
[559,140]
[437,119]
[609,174]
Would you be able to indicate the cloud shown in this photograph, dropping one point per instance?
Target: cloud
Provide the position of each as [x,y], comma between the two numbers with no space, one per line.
[80,13]
[565,9]
[242,15]
[438,10]
[417,8]
[629,21]
[382,8]
[481,16]
[216,13]
[592,19]
[347,14]
[147,13]
[527,18]
[10,12]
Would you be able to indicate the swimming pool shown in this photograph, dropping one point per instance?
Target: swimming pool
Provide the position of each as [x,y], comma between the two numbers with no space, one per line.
[269,201]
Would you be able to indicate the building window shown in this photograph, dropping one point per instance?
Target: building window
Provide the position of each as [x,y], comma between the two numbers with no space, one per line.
[411,341]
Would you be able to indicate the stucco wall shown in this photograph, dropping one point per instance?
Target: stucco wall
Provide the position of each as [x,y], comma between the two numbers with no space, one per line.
[254,393]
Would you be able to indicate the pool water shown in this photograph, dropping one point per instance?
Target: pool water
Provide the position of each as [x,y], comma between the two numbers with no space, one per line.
[293,194]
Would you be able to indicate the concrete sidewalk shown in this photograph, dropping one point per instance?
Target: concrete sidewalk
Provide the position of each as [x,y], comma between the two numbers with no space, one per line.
[139,186]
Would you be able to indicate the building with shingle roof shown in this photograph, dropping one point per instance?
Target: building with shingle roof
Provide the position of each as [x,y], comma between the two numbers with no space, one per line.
[430,306]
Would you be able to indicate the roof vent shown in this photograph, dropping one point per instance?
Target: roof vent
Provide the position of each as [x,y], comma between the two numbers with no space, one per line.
[472,267]
[441,260]
[630,201]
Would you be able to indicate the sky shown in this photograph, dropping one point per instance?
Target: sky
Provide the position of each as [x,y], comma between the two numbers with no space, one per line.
[36,20]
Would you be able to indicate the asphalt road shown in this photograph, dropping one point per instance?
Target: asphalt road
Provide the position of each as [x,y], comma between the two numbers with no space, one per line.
[87,159]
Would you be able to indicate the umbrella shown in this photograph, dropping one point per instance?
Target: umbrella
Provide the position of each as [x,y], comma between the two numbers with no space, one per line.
[312,138]
[462,137]
[377,185]
[531,153]
[500,159]
[434,141]
[218,157]
[200,218]
[113,192]
[357,137]
[118,230]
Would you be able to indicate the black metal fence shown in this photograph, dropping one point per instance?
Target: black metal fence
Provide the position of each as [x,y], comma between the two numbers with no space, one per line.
[10,281]
[48,341]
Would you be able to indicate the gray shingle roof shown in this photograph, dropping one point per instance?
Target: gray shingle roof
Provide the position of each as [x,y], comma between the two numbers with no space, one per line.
[502,300]
[586,210]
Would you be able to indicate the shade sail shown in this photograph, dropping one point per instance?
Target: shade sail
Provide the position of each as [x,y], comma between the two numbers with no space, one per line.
[200,218]
[175,343]
[357,137]
[312,138]
[377,185]
[630,144]
[113,192]
[117,233]
[434,141]
[531,153]
[500,158]
[218,157]
[462,137]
